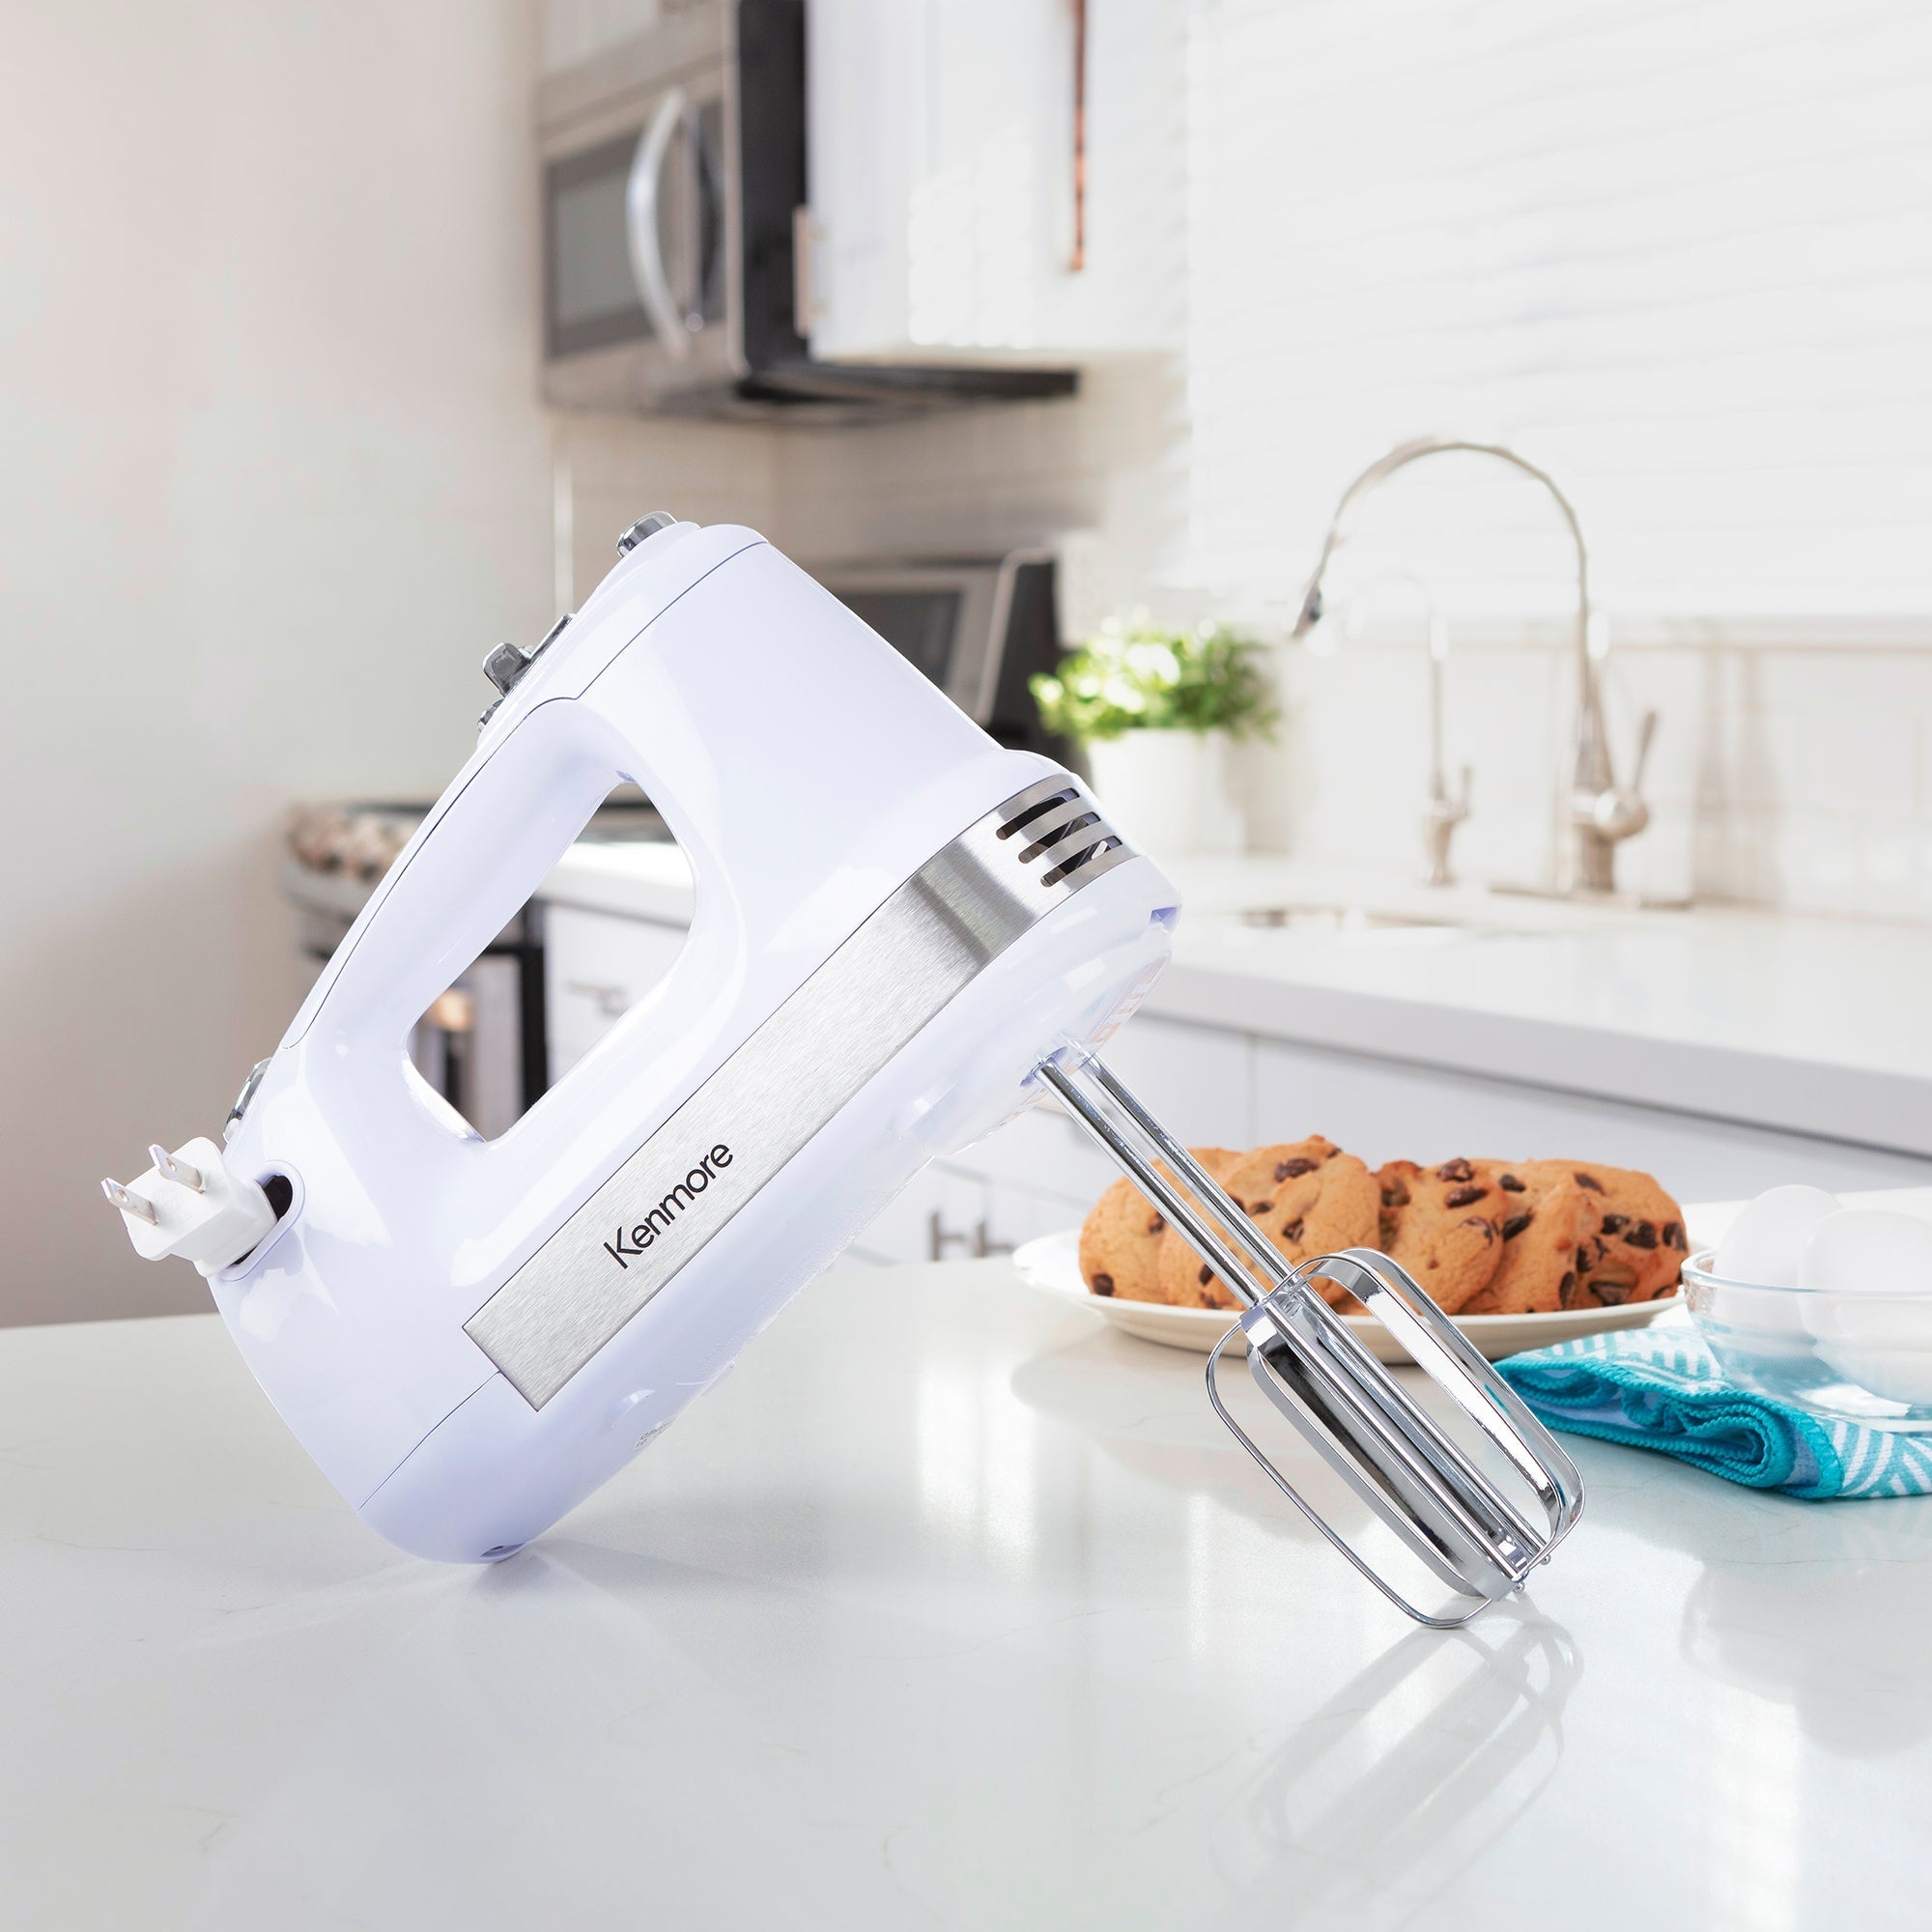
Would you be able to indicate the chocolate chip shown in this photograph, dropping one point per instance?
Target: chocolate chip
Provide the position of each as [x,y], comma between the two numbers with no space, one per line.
[1206,1275]
[1287,1170]
[1612,1285]
[1514,1226]
[1509,1183]
[1455,1170]
[1156,1225]
[1104,1284]
[1483,1222]
[1396,1196]
[1292,1231]
[1331,1154]
[1615,1224]
[1568,1294]
[1644,1235]
[1673,1237]
[1260,1209]
[1462,1197]
[1590,1182]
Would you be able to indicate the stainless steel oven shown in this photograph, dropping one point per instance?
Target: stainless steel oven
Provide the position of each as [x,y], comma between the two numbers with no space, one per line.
[674,177]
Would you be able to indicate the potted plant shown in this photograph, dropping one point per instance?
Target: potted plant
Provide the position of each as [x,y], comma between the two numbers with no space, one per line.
[1155,709]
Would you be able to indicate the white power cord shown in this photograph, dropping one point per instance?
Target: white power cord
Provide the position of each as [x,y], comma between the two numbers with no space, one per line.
[188,1203]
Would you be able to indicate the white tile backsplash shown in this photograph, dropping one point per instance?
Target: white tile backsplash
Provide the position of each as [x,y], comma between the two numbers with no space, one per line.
[1781,775]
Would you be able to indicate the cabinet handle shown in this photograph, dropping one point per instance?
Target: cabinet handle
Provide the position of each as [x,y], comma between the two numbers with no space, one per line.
[613,1002]
[979,1243]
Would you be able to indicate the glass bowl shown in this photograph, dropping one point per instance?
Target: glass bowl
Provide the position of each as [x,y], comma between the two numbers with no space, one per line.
[1850,1356]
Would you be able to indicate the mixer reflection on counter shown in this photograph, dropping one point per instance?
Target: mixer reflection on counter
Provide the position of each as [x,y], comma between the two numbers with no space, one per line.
[903,935]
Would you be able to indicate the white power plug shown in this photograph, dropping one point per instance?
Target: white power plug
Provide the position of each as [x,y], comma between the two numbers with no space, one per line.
[188,1203]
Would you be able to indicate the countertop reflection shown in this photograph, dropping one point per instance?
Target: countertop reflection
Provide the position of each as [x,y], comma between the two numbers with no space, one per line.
[949,1608]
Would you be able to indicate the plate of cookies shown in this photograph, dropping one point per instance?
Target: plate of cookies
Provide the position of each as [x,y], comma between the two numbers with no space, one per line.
[1519,1253]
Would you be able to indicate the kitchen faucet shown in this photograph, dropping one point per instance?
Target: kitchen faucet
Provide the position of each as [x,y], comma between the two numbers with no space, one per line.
[1600,813]
[1444,811]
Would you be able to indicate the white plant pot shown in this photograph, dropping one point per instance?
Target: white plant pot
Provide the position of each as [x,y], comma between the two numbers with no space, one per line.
[1168,792]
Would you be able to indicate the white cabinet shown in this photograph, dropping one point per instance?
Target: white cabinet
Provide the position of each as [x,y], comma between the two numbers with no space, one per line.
[942,179]
[1386,1110]
[597,966]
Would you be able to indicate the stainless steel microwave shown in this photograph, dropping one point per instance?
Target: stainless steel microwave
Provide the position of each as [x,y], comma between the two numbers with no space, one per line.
[674,184]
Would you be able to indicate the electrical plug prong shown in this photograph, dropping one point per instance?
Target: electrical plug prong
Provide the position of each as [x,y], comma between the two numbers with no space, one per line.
[169,1168]
[214,1216]
[130,1204]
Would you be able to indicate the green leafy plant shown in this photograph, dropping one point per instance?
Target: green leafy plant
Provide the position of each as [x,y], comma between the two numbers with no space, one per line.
[1134,676]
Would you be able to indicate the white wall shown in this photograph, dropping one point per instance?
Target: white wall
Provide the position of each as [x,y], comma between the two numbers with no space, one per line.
[273,480]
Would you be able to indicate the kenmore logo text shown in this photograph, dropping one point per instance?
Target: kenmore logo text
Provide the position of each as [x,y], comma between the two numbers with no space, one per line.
[660,1218]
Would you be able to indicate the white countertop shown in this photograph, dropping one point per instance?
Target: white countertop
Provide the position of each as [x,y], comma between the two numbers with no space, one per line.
[1820,1025]
[950,1607]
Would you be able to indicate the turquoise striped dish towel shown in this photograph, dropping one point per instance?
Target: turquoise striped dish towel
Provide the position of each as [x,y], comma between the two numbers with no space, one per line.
[1658,1388]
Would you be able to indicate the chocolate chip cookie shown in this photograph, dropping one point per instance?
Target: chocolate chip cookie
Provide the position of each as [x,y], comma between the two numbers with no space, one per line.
[1121,1243]
[1546,1217]
[1632,1243]
[1444,1225]
[1307,1197]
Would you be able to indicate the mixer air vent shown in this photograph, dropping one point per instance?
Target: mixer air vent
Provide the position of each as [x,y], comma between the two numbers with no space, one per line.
[1064,827]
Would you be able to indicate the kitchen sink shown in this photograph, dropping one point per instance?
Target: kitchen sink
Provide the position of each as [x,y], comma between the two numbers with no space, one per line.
[1358,921]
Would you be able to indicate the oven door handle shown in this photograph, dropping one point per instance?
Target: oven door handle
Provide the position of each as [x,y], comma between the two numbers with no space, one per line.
[641,196]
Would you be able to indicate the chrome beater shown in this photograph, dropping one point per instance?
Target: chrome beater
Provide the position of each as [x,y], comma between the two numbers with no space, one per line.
[1449,1511]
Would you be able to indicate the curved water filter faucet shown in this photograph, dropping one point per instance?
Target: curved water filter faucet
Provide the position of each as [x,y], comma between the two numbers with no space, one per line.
[1599,813]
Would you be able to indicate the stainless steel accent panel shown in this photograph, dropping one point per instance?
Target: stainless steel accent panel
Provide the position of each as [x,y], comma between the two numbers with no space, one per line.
[960,910]
[1037,821]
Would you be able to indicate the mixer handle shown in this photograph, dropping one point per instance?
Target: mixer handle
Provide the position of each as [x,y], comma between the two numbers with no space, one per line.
[471,865]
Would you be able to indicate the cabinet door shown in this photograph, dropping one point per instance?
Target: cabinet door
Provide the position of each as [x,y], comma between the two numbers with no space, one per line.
[597,966]
[941,140]
[1385,1110]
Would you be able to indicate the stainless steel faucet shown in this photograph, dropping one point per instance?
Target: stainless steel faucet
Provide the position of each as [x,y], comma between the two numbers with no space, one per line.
[1599,813]
[1444,811]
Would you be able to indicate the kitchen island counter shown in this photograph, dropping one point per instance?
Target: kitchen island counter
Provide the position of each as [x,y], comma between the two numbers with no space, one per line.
[949,1608]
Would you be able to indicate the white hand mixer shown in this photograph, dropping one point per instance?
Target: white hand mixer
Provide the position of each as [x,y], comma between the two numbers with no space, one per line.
[903,934]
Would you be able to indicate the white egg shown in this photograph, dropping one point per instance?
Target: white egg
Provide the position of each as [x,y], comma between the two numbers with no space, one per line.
[1867,1251]
[1898,1375]
[1763,1244]
[1869,1270]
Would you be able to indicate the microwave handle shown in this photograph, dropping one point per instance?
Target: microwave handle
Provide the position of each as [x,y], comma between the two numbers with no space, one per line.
[641,224]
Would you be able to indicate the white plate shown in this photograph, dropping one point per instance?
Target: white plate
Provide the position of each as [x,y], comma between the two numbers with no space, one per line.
[1053,1263]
